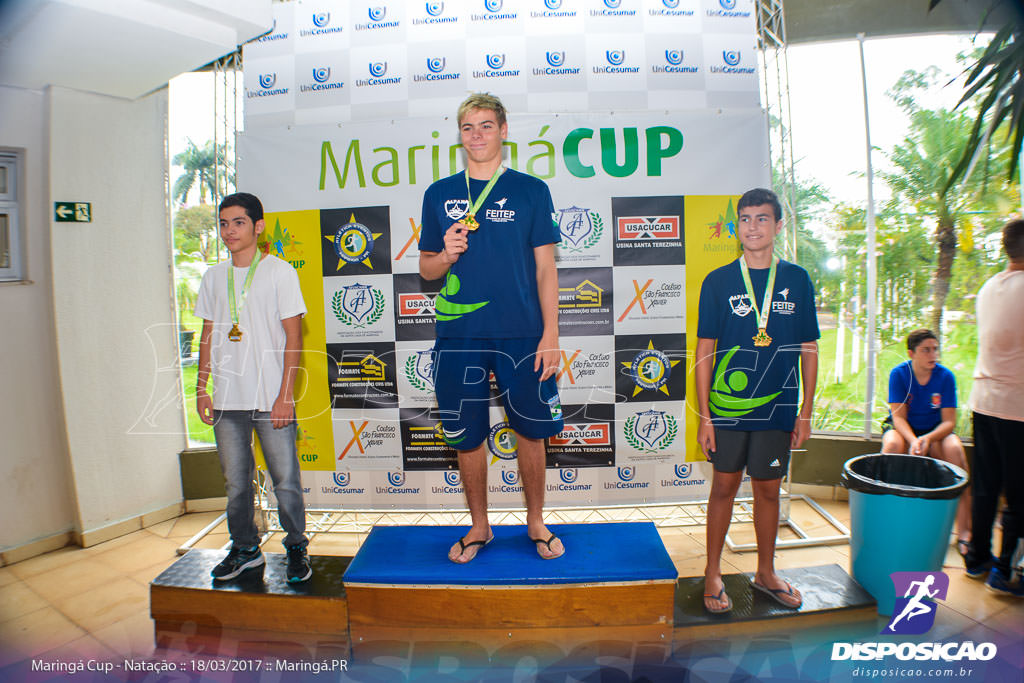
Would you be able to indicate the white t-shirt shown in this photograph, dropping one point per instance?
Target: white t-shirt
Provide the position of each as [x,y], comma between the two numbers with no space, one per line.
[247,374]
[999,372]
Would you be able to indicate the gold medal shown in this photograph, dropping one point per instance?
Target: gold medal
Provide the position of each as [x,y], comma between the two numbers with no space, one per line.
[762,338]
[469,220]
[235,334]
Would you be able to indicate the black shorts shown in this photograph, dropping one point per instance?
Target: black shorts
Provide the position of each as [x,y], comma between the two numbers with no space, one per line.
[887,425]
[765,453]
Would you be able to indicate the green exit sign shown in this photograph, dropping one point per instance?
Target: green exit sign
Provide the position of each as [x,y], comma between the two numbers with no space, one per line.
[72,212]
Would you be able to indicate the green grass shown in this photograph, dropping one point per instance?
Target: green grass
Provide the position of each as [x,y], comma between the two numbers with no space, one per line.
[839,406]
[197,430]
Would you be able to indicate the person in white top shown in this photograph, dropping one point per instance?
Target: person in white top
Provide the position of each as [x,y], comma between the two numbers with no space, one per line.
[997,402]
[252,309]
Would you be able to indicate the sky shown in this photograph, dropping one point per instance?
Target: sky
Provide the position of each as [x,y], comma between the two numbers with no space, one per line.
[826,103]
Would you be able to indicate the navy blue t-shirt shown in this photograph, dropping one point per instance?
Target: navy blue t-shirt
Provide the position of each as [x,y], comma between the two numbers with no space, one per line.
[924,403]
[491,291]
[756,388]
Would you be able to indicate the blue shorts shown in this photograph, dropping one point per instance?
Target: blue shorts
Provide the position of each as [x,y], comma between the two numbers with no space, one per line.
[462,369]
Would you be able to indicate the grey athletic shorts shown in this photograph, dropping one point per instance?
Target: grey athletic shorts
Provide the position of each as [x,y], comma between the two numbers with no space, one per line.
[765,454]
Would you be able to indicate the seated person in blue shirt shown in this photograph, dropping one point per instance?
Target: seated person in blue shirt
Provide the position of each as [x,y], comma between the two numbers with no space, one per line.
[922,414]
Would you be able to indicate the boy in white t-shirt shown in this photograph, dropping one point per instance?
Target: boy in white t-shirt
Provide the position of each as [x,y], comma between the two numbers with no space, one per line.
[251,341]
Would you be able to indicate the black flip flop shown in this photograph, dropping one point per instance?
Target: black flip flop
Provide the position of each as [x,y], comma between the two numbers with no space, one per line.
[777,593]
[538,541]
[466,546]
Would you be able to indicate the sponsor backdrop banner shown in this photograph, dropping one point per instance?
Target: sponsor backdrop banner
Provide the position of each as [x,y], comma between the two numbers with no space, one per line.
[645,203]
[349,116]
[348,60]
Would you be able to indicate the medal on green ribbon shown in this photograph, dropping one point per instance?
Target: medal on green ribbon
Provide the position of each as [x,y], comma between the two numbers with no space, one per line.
[469,220]
[761,338]
[235,334]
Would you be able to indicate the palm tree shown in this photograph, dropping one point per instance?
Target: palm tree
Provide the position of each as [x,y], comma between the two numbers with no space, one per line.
[200,165]
[998,76]
[928,182]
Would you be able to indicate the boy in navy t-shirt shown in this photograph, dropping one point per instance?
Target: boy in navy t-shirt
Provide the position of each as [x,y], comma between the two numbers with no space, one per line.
[489,232]
[756,326]
[922,415]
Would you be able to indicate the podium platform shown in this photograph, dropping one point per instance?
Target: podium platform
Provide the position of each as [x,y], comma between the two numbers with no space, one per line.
[615,581]
[614,593]
[258,613]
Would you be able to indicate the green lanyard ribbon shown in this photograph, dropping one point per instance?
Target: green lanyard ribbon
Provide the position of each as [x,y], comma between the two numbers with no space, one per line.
[245,286]
[762,338]
[470,219]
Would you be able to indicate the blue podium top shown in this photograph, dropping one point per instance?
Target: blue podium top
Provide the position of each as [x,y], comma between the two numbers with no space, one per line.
[594,553]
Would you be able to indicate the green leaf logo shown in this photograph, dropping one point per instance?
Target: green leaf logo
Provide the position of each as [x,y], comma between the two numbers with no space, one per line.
[722,401]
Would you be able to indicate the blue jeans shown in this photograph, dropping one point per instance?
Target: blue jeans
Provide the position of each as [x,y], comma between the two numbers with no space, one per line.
[233,430]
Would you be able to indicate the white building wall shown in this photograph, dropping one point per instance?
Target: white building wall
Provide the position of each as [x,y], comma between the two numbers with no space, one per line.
[37,500]
[113,306]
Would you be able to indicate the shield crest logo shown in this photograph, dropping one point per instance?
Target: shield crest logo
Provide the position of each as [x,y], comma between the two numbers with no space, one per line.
[456,208]
[357,301]
[574,224]
[425,367]
[740,305]
[650,427]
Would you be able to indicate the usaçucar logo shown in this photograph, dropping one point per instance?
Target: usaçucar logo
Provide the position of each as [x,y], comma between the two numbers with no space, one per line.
[353,243]
[358,305]
[580,228]
[722,400]
[650,370]
[419,370]
[651,431]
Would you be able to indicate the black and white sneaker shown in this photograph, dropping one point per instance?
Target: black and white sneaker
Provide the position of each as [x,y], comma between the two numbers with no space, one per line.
[237,561]
[299,569]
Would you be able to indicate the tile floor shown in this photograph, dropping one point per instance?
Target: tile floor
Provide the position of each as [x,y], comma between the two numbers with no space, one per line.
[78,603]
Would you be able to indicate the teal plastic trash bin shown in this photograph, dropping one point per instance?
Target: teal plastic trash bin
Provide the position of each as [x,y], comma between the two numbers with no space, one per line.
[901,513]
